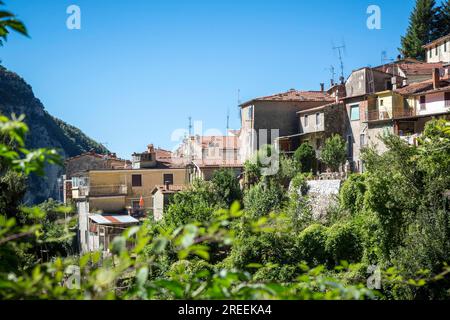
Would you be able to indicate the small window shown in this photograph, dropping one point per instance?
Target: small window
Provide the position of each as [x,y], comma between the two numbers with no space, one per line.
[436,50]
[381,103]
[354,112]
[306,120]
[168,178]
[362,140]
[445,46]
[136,180]
[317,119]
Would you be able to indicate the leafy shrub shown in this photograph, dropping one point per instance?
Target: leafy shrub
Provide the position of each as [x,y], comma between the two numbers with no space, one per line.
[305,157]
[352,193]
[334,152]
[276,273]
[343,243]
[264,198]
[311,245]
[226,186]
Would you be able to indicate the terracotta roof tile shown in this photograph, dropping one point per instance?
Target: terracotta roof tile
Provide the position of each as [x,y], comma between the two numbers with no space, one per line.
[295,95]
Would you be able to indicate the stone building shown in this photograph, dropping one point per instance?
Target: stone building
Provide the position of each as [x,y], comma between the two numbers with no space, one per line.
[266,118]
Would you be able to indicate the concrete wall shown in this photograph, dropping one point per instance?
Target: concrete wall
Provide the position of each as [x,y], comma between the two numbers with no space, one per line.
[443,53]
[270,115]
[150,178]
[315,122]
[434,103]
[354,130]
[377,130]
[158,205]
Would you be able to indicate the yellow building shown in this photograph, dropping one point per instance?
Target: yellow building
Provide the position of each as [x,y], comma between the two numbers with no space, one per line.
[127,190]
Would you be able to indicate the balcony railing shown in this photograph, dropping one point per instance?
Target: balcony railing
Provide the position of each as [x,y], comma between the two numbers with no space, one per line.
[105,190]
[384,115]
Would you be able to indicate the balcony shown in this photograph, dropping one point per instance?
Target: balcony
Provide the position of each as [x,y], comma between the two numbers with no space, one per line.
[377,115]
[103,191]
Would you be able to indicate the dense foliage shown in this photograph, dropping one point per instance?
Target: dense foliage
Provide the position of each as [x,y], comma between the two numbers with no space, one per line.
[426,23]
[334,152]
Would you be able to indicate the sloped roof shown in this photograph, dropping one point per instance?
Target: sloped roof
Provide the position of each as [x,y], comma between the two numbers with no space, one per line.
[423,87]
[295,95]
[440,40]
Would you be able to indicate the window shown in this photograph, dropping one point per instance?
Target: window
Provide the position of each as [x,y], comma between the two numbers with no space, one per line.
[447,96]
[362,140]
[381,103]
[422,103]
[431,53]
[168,178]
[349,147]
[354,112]
[306,120]
[317,119]
[445,46]
[436,50]
[136,180]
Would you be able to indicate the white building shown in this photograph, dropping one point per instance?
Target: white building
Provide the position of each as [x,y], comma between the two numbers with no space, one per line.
[438,50]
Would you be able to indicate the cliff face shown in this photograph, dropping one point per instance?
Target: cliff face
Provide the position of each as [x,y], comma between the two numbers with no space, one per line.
[46,131]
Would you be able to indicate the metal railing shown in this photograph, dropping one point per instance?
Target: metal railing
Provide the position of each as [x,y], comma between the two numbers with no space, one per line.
[103,190]
[384,115]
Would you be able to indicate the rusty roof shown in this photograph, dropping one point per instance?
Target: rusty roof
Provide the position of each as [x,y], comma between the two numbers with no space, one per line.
[439,40]
[295,95]
[423,87]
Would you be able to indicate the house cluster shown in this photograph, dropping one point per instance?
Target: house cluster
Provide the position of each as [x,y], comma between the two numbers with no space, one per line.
[400,97]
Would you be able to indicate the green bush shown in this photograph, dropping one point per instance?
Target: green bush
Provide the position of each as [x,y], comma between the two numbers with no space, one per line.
[311,244]
[305,156]
[344,243]
[264,198]
[283,273]
[334,152]
[351,195]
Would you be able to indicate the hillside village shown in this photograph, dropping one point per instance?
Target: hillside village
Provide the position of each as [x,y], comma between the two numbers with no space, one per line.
[400,97]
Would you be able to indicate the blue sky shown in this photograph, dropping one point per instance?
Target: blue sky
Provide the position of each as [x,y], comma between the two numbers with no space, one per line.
[138,69]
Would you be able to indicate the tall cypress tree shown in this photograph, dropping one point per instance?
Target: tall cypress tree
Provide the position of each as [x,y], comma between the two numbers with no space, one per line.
[444,19]
[423,28]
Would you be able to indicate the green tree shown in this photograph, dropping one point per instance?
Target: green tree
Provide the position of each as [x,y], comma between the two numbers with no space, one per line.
[423,28]
[8,23]
[195,204]
[333,153]
[444,18]
[226,187]
[305,157]
[264,198]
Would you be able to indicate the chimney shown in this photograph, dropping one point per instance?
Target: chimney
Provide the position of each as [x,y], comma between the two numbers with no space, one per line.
[332,82]
[341,79]
[150,148]
[436,80]
[322,87]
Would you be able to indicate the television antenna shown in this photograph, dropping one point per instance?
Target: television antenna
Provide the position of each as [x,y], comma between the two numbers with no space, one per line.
[190,126]
[332,73]
[341,50]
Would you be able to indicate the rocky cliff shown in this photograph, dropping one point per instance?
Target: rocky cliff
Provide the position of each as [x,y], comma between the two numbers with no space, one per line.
[16,96]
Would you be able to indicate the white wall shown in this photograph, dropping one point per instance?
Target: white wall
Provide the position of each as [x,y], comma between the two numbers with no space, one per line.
[434,103]
[443,54]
